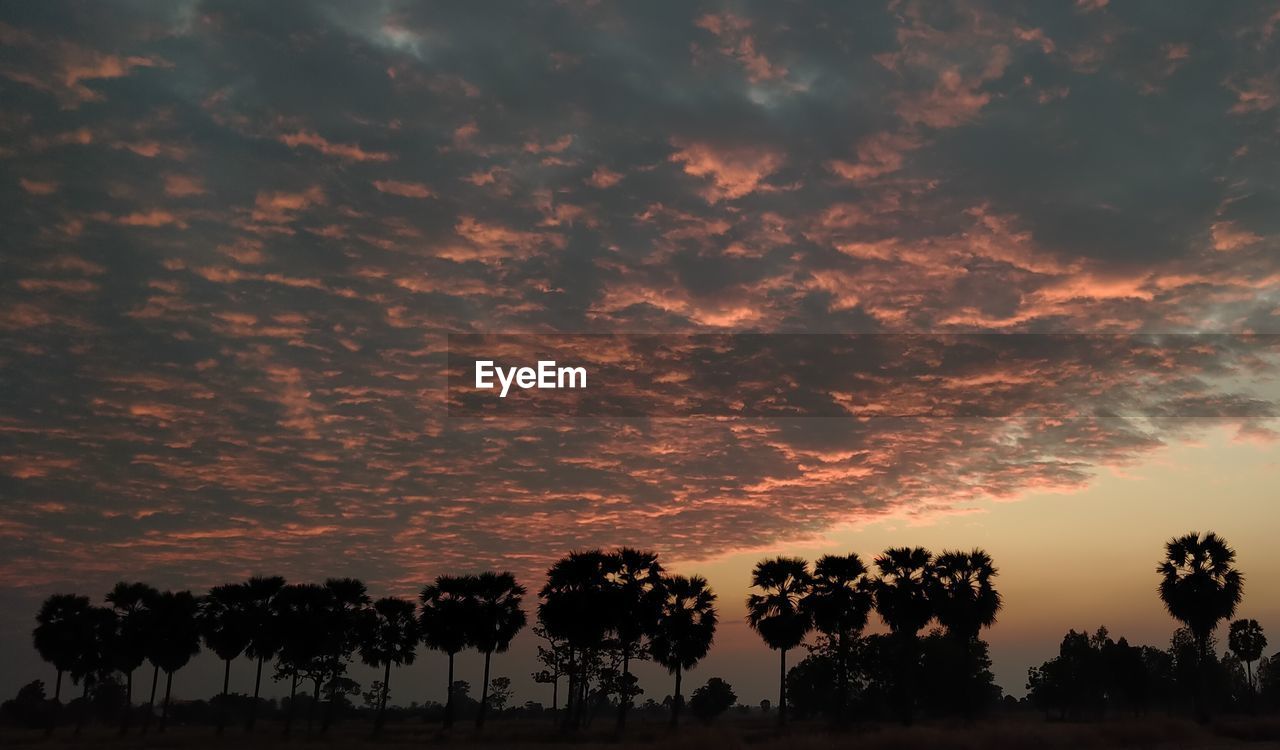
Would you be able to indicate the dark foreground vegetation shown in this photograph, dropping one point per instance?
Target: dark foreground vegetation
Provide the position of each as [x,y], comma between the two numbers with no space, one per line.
[1002,732]
[598,612]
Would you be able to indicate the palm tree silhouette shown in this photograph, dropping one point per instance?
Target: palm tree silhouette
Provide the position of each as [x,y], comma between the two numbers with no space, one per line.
[175,638]
[95,638]
[839,602]
[343,633]
[1199,588]
[225,626]
[264,630]
[59,627]
[965,601]
[686,627]
[579,607]
[298,610]
[131,602]
[639,580]
[778,614]
[496,618]
[902,599]
[443,620]
[1247,641]
[391,637]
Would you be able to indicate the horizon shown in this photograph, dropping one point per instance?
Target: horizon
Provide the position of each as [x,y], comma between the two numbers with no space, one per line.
[838,278]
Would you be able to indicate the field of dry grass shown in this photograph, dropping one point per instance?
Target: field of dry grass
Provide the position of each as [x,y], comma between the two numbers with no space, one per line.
[1020,733]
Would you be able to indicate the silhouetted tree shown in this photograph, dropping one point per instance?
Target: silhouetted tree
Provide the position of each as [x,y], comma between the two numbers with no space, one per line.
[809,684]
[496,618]
[578,607]
[29,708]
[391,638]
[299,610]
[343,627]
[500,692]
[1199,587]
[956,675]
[95,636]
[964,600]
[264,630]
[686,627]
[712,699]
[1071,684]
[1247,641]
[552,658]
[174,639]
[59,629]
[131,602]
[225,626]
[839,601]
[446,607]
[638,578]
[1269,680]
[778,614]
[902,599]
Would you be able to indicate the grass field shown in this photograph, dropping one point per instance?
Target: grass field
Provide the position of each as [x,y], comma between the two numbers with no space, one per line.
[1012,733]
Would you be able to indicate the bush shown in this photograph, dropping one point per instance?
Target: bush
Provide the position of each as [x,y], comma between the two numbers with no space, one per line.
[29,708]
[712,699]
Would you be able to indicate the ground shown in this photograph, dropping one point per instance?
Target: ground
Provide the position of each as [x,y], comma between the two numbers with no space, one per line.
[1010,733]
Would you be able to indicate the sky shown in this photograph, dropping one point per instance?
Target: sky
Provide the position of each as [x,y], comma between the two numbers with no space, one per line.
[236,237]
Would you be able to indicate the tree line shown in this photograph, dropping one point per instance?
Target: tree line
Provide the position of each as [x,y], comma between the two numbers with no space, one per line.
[1200,588]
[597,613]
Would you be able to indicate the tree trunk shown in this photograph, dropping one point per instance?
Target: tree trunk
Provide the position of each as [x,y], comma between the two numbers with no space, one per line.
[253,709]
[555,695]
[151,702]
[382,704]
[484,692]
[624,701]
[226,685]
[676,700]
[315,700]
[782,687]
[128,702]
[84,706]
[448,700]
[908,666]
[168,691]
[968,696]
[330,706]
[1202,649]
[582,717]
[57,705]
[567,722]
[842,678]
[293,701]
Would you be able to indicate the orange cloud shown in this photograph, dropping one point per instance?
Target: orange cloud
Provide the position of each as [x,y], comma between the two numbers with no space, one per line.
[878,154]
[38,187]
[733,172]
[603,177]
[403,189]
[182,186]
[350,152]
[737,44]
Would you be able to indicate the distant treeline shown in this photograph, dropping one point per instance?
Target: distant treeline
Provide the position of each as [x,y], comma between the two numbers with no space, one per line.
[1094,675]
[599,611]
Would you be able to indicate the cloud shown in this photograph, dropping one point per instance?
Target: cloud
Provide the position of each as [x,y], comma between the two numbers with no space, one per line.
[733,172]
[403,189]
[222,322]
[346,151]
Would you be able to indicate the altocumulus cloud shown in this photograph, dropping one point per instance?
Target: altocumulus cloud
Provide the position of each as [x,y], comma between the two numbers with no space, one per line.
[236,235]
